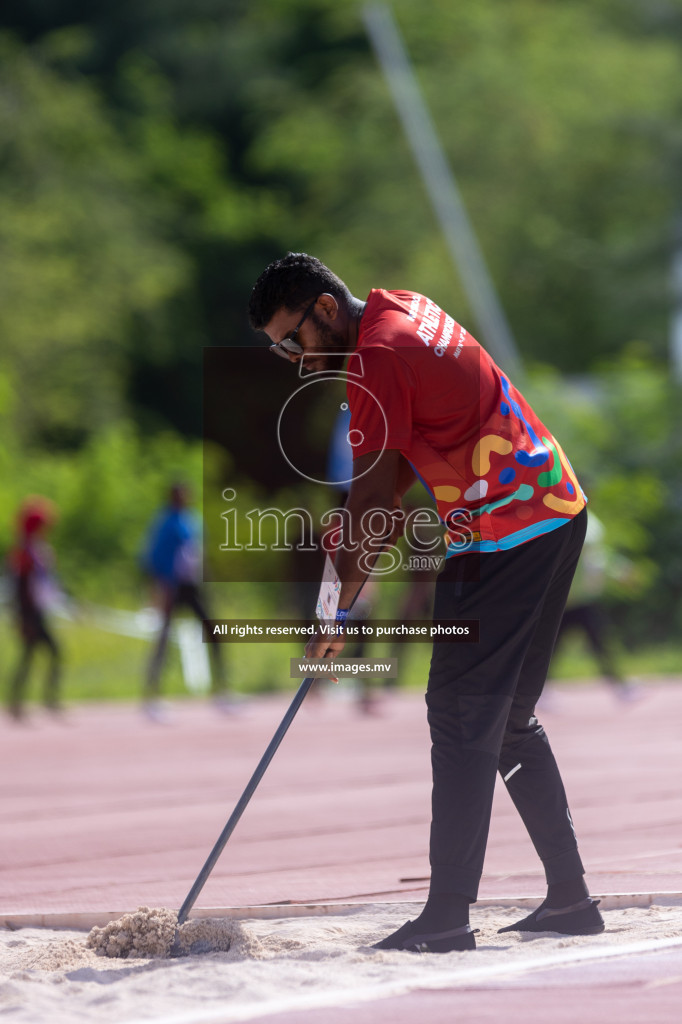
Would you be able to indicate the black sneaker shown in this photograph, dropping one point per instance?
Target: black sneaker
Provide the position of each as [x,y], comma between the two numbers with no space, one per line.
[581,918]
[407,937]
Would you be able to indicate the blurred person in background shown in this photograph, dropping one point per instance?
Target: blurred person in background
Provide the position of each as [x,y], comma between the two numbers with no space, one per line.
[34,590]
[367,699]
[416,605]
[172,558]
[585,612]
[340,474]
[416,598]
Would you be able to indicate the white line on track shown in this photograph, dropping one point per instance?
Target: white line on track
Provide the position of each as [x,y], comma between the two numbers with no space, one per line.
[383,990]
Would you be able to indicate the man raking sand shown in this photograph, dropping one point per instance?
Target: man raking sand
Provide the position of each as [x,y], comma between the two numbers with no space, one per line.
[433,405]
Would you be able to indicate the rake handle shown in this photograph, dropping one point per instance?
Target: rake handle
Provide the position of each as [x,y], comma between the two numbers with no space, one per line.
[252,784]
[244,799]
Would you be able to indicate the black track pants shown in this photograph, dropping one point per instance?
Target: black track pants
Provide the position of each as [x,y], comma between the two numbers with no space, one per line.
[481,702]
[181,595]
[35,634]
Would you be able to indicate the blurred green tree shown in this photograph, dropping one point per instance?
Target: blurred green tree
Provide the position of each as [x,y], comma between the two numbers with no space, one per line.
[83,247]
[560,121]
[156,155]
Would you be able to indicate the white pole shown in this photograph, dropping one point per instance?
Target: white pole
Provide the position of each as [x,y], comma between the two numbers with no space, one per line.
[441,186]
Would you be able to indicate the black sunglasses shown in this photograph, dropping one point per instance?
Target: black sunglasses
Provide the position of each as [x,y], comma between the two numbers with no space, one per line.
[289,345]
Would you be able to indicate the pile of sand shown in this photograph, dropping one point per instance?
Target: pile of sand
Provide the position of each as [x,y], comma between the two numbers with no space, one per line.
[154,932]
[210,935]
[146,933]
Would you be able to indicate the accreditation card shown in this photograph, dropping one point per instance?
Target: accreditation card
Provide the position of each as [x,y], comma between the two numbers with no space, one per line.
[330,590]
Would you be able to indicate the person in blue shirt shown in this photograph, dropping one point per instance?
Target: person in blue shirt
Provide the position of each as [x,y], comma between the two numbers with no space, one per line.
[172,558]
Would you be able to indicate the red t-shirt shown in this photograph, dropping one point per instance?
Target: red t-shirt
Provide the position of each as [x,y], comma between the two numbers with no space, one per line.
[419,382]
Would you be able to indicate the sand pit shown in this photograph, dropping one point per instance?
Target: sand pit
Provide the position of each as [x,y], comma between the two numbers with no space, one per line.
[259,967]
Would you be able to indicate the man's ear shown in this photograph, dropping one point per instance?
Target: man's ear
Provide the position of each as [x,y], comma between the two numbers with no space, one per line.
[329,305]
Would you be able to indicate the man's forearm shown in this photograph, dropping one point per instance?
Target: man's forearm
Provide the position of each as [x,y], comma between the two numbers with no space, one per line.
[370,518]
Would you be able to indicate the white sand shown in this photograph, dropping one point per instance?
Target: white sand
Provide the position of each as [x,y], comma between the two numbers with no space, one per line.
[274,965]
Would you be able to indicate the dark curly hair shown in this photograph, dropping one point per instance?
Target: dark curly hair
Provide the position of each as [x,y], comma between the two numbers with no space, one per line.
[291,283]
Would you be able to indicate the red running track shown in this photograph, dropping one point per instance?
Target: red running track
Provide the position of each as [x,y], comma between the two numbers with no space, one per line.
[107,811]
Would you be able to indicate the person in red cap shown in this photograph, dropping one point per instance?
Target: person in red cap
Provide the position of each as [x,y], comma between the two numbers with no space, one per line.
[30,565]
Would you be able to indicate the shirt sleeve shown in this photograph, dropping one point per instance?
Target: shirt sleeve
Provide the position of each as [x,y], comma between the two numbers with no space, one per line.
[380,391]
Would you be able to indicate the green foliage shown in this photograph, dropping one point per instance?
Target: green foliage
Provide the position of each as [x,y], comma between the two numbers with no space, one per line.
[558,127]
[106,495]
[155,156]
[621,428]
[80,251]
[269,126]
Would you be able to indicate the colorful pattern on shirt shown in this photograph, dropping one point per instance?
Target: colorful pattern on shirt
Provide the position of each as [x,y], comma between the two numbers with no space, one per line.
[426,387]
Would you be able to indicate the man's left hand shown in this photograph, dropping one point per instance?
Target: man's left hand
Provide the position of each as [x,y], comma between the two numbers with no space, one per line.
[325,645]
